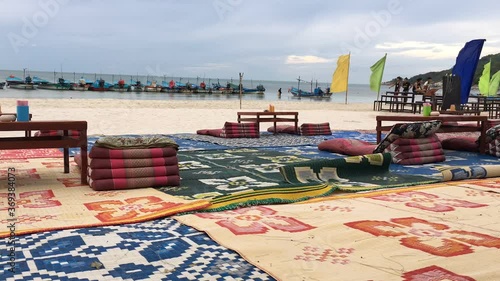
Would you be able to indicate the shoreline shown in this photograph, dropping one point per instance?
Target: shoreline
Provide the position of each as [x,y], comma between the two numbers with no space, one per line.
[119,117]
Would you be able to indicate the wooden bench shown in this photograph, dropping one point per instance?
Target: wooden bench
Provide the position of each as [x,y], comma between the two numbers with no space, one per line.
[65,141]
[274,117]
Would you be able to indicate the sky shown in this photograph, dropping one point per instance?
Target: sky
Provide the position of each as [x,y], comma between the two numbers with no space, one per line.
[263,39]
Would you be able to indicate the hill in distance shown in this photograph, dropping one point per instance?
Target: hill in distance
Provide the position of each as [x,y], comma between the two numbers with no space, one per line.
[437,76]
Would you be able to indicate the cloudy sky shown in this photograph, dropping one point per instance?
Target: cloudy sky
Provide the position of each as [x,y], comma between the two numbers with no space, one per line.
[264,39]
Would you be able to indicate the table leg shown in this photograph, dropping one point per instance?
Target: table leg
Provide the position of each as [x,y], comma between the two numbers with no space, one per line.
[66,160]
[482,138]
[379,132]
[66,154]
[83,154]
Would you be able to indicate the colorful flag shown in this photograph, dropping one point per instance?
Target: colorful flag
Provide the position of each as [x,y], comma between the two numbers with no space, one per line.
[494,83]
[341,75]
[377,73]
[465,66]
[484,80]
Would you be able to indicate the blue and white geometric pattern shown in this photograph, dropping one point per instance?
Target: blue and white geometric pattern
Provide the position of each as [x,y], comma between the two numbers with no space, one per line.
[156,250]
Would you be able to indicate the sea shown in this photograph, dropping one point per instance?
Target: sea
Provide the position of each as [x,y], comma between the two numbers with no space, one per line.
[357,93]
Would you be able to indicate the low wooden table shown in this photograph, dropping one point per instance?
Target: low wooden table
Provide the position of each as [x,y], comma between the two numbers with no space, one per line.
[65,141]
[274,117]
[481,126]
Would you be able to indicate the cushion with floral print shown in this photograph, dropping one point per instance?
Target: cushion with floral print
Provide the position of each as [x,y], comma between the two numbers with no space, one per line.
[492,134]
[413,130]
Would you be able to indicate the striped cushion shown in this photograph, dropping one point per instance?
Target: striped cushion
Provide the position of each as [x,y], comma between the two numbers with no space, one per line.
[308,129]
[416,151]
[53,133]
[240,130]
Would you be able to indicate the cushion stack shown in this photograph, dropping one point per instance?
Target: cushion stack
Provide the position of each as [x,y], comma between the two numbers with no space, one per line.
[416,151]
[111,167]
[413,143]
[309,129]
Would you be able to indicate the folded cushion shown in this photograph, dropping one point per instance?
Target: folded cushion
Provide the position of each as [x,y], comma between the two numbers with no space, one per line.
[461,144]
[409,145]
[408,131]
[106,153]
[240,130]
[422,160]
[128,183]
[416,151]
[351,147]
[309,129]
[101,163]
[494,148]
[121,142]
[142,172]
[283,129]
[210,132]
[52,133]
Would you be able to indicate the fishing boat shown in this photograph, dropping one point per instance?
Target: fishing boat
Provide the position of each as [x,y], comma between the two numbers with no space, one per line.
[120,86]
[317,92]
[100,86]
[61,85]
[136,87]
[82,85]
[152,87]
[21,84]
[257,90]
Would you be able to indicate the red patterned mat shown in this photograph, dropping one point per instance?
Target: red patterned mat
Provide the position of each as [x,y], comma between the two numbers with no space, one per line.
[30,153]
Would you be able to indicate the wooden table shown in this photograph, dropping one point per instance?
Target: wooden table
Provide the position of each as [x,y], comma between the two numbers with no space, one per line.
[65,141]
[481,126]
[274,117]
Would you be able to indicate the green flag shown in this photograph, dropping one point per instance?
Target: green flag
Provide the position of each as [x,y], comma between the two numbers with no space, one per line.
[494,83]
[377,72]
[484,80]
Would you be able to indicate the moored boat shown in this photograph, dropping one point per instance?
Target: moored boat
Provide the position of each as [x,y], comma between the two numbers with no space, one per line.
[316,93]
[18,83]
[100,86]
[61,85]
[82,85]
[152,87]
[120,86]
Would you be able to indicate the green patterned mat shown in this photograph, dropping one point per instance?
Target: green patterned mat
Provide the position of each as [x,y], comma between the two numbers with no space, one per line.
[241,177]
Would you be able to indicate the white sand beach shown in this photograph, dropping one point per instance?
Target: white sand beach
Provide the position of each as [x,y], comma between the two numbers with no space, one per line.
[111,116]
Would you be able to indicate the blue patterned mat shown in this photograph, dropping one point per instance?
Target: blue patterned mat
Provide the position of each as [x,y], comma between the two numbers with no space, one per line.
[157,250]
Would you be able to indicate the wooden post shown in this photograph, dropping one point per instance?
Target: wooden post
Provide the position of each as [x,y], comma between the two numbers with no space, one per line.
[241,87]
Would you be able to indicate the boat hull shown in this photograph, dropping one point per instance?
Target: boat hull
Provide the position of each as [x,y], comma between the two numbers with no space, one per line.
[55,87]
[152,89]
[23,86]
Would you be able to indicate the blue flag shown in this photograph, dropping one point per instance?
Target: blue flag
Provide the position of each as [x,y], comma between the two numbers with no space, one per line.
[465,66]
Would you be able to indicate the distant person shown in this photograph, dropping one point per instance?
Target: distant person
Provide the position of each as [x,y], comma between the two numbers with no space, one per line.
[427,84]
[397,84]
[406,85]
[417,87]
[279,93]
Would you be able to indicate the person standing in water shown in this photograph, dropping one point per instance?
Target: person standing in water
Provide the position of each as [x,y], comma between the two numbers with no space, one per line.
[279,93]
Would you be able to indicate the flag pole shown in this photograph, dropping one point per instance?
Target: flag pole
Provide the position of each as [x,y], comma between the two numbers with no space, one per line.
[383,68]
[347,84]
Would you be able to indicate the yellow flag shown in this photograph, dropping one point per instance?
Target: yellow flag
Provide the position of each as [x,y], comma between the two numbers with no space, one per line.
[341,75]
